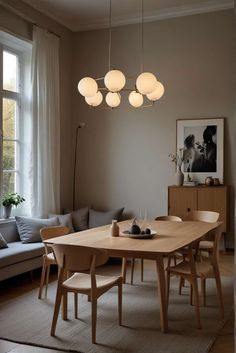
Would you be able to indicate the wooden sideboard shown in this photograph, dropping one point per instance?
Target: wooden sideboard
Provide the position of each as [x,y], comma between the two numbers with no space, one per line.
[182,199]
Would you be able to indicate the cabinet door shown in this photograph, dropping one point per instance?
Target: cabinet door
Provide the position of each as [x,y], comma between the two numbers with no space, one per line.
[214,199]
[181,200]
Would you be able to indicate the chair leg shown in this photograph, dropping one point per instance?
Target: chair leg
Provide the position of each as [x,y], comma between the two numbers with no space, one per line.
[94,319]
[124,269]
[142,270]
[169,261]
[175,262]
[47,280]
[219,290]
[191,294]
[196,300]
[42,280]
[76,305]
[132,270]
[203,291]
[120,302]
[181,283]
[56,311]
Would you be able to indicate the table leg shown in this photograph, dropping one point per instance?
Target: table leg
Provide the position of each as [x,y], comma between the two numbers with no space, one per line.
[162,293]
[65,299]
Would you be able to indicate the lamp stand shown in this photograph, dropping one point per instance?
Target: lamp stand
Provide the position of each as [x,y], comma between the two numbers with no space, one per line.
[80,126]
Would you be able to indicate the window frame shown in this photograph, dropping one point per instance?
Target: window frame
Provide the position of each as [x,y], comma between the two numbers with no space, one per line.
[16,97]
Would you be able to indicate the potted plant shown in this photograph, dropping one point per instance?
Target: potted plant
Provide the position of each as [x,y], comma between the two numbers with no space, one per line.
[9,200]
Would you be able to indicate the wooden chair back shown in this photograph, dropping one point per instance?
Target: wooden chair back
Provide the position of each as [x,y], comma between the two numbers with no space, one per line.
[168,218]
[52,232]
[203,216]
[79,258]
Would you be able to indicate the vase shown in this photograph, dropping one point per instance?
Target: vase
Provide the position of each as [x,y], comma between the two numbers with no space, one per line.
[7,211]
[179,176]
[114,228]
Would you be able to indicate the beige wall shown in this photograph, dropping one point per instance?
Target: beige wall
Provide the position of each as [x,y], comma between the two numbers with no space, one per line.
[123,153]
[22,28]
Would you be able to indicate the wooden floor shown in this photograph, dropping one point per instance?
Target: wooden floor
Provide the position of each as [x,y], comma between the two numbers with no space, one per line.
[22,284]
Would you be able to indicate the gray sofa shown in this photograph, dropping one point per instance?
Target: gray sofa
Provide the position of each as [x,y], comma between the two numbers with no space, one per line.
[18,257]
[25,254]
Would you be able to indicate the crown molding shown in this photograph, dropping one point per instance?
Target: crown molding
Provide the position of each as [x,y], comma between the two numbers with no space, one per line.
[178,11]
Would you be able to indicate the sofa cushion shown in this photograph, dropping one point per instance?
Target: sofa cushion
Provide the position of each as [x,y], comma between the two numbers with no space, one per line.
[18,252]
[65,220]
[3,243]
[79,218]
[98,218]
[29,228]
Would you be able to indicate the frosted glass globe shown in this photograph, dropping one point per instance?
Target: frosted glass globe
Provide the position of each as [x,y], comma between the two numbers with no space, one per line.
[157,93]
[95,100]
[114,80]
[87,86]
[113,99]
[146,82]
[135,99]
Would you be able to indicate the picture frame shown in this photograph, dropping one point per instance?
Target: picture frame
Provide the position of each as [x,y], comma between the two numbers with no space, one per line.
[201,142]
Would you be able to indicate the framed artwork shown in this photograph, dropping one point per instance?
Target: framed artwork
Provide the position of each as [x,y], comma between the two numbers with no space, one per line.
[201,142]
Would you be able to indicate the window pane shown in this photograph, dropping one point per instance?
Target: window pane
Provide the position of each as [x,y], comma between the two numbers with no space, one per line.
[8,182]
[10,72]
[9,118]
[9,155]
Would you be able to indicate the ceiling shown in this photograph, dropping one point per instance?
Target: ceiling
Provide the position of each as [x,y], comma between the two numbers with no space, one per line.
[80,15]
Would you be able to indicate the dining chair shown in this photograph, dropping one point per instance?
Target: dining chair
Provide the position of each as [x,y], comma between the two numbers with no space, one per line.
[159,218]
[75,260]
[48,257]
[204,216]
[204,245]
[191,269]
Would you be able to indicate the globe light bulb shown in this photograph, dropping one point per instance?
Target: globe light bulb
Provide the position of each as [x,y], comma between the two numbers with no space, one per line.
[87,87]
[113,99]
[146,83]
[135,99]
[95,100]
[157,93]
[114,80]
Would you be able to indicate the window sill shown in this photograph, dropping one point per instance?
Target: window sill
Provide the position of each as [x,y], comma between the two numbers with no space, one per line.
[7,220]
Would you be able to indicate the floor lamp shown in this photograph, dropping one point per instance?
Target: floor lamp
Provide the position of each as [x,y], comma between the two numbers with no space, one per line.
[80,126]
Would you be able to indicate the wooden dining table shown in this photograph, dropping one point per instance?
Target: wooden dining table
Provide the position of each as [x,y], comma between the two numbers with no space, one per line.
[170,237]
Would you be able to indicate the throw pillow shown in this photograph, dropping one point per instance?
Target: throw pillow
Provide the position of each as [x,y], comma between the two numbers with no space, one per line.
[65,220]
[29,228]
[97,218]
[79,218]
[3,243]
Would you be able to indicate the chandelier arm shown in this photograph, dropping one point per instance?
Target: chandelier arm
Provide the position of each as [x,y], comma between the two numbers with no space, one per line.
[142,38]
[109,47]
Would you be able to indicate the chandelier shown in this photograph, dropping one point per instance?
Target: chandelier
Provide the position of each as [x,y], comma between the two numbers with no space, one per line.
[146,84]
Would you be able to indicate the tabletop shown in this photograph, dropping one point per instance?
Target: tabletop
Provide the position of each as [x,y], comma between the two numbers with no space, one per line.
[170,237]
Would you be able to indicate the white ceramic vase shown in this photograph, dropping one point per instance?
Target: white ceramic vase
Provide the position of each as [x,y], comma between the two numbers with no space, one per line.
[179,176]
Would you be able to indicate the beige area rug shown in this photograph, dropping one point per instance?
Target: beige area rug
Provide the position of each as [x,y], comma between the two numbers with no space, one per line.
[27,320]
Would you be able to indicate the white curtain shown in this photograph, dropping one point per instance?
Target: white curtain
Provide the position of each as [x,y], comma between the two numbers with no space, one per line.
[45,156]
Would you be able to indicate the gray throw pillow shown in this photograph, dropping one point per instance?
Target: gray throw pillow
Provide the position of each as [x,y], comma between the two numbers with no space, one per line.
[3,243]
[29,228]
[65,220]
[97,218]
[79,218]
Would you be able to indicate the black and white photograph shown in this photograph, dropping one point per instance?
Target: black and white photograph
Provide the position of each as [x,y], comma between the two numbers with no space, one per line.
[202,144]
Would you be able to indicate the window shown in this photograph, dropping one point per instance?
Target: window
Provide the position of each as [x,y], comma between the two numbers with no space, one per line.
[14,89]
[10,124]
